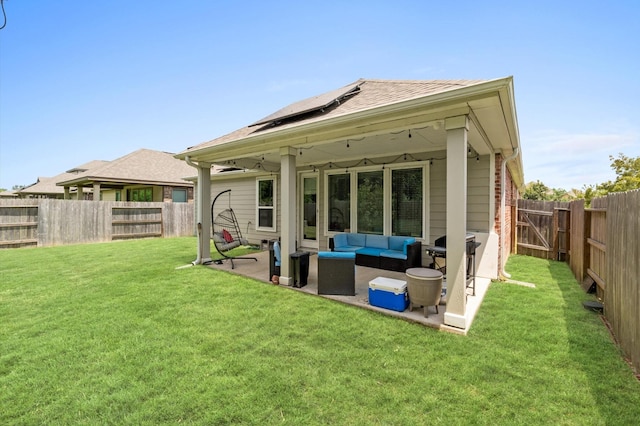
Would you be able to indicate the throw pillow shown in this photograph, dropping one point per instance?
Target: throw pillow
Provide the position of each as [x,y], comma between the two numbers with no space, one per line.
[227,236]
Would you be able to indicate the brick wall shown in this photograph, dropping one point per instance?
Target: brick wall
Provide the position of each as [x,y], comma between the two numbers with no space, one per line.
[511,196]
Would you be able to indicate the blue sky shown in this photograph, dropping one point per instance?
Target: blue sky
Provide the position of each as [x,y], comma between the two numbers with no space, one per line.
[95,80]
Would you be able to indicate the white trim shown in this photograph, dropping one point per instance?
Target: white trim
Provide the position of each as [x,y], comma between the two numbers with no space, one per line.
[273,207]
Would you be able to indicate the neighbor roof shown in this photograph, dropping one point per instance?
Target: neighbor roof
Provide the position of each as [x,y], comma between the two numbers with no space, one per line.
[364,94]
[143,166]
[47,185]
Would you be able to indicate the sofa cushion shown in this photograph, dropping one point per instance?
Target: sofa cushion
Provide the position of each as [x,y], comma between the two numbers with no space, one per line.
[347,249]
[370,251]
[396,243]
[394,254]
[356,240]
[340,240]
[377,241]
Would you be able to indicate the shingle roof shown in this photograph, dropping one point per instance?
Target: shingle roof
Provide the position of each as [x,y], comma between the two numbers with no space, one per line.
[47,185]
[141,166]
[372,94]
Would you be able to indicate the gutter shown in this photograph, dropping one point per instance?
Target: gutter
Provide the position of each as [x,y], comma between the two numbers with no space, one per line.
[503,203]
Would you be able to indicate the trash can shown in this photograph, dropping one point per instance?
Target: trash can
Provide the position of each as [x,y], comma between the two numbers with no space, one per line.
[300,265]
[274,262]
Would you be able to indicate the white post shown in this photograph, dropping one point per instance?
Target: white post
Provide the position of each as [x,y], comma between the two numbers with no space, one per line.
[203,212]
[457,129]
[288,213]
[96,191]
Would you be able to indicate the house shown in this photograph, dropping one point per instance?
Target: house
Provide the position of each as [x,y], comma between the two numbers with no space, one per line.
[143,175]
[419,158]
[45,187]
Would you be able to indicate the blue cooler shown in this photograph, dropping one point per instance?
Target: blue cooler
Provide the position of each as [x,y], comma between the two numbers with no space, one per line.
[388,293]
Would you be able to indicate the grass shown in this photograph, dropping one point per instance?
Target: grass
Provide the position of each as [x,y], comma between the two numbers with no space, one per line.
[115,334]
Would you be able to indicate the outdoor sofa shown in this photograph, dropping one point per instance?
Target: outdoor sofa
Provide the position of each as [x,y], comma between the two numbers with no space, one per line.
[393,253]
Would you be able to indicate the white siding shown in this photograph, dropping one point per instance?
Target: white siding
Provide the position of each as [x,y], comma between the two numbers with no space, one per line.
[243,203]
[478,198]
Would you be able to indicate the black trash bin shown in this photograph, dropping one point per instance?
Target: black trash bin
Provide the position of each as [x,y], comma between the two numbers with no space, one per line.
[274,269]
[300,265]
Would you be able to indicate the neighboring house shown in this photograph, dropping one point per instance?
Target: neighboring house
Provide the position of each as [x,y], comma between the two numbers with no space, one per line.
[143,175]
[419,158]
[9,195]
[45,187]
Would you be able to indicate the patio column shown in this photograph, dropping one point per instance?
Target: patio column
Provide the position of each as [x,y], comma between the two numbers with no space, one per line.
[66,193]
[288,213]
[457,129]
[203,213]
[79,193]
[96,192]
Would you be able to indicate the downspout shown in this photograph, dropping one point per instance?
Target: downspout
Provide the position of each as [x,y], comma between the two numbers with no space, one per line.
[503,206]
[198,260]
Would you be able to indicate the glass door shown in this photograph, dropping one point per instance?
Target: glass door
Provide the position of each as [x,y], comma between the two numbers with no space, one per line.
[309,211]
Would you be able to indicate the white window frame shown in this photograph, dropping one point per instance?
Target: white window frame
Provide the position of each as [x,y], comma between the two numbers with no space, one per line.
[272,207]
[353,173]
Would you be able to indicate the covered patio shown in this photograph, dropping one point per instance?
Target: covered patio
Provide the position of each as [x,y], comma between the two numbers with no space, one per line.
[363,275]
[422,159]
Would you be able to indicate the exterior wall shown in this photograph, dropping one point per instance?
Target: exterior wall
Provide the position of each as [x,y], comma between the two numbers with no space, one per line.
[478,197]
[511,196]
[243,202]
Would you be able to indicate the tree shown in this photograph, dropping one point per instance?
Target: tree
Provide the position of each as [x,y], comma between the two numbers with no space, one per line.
[627,178]
[537,191]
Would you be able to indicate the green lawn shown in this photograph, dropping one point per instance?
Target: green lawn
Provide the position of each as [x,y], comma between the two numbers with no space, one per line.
[115,334]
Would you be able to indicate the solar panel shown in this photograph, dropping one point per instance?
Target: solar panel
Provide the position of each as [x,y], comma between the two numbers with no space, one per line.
[315,103]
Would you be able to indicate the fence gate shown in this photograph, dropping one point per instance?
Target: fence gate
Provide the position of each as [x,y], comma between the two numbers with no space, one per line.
[543,229]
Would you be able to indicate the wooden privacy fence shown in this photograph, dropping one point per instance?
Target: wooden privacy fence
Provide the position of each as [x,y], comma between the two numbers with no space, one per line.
[602,247]
[48,222]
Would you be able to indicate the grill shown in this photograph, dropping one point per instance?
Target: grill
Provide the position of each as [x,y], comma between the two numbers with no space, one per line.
[439,251]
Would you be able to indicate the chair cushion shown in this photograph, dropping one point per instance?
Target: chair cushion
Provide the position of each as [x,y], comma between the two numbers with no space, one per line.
[336,255]
[276,253]
[377,241]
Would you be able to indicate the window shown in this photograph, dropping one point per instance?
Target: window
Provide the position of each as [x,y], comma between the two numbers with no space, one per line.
[266,204]
[339,202]
[118,196]
[371,202]
[179,195]
[141,194]
[406,202]
[368,200]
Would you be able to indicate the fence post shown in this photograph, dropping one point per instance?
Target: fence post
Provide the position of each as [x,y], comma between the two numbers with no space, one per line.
[555,255]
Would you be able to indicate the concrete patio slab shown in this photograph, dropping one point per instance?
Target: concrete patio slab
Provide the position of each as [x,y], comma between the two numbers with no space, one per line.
[259,270]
